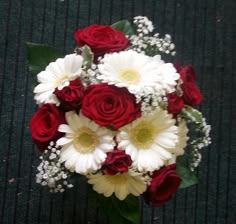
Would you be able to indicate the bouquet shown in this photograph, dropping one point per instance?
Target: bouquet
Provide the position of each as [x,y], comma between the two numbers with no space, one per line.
[114,112]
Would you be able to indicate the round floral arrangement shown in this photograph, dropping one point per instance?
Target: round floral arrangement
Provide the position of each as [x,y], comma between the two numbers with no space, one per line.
[116,113]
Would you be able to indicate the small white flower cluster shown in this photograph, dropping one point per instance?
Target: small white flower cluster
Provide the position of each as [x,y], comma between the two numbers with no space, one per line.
[202,133]
[52,172]
[200,143]
[144,25]
[89,76]
[150,45]
[89,69]
[151,98]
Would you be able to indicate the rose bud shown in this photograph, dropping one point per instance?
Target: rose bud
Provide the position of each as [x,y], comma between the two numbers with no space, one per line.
[164,183]
[117,161]
[44,125]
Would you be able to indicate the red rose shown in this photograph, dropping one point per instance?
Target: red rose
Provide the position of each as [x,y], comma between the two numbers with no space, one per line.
[187,73]
[175,103]
[164,183]
[117,161]
[109,105]
[191,93]
[44,125]
[70,96]
[101,39]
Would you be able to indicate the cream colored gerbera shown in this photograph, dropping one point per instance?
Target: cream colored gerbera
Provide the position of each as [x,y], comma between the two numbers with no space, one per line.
[183,138]
[148,139]
[57,75]
[172,160]
[85,144]
[135,71]
[121,184]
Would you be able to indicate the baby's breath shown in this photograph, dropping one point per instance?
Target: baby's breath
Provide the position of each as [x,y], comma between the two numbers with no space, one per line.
[200,134]
[51,171]
[144,42]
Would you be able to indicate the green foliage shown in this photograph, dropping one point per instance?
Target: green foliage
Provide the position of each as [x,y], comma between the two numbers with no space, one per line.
[39,56]
[125,211]
[195,114]
[124,26]
[87,54]
[188,177]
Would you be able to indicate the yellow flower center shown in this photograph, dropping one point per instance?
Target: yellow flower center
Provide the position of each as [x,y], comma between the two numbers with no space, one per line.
[60,81]
[143,135]
[129,75]
[85,140]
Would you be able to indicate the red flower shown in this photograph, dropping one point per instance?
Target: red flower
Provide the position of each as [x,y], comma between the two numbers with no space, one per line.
[117,161]
[109,105]
[175,103]
[191,93]
[101,39]
[70,96]
[44,125]
[164,183]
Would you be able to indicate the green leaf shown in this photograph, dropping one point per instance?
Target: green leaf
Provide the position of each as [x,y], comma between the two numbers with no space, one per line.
[124,26]
[39,56]
[128,208]
[88,56]
[188,177]
[125,211]
[197,115]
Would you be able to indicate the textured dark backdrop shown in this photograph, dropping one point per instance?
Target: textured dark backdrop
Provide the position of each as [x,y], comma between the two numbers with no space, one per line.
[204,33]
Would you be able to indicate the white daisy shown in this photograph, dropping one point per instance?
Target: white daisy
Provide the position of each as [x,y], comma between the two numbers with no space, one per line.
[167,73]
[148,139]
[85,144]
[120,184]
[137,71]
[183,138]
[57,75]
[172,160]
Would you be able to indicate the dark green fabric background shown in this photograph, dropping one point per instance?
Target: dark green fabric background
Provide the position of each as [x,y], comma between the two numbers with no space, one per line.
[204,33]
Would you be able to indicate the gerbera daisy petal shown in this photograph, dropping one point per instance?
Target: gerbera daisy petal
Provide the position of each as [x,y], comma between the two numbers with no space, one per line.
[43,88]
[65,128]
[178,149]
[121,191]
[69,164]
[137,189]
[147,138]
[131,150]
[163,153]
[66,151]
[45,77]
[63,141]
[120,184]
[135,71]
[57,75]
[124,143]
[73,120]
[167,142]
[105,147]
[83,141]
[99,156]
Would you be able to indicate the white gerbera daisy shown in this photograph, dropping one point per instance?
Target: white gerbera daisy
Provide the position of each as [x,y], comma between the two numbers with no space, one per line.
[148,139]
[85,144]
[183,138]
[136,71]
[121,184]
[57,75]
[172,160]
